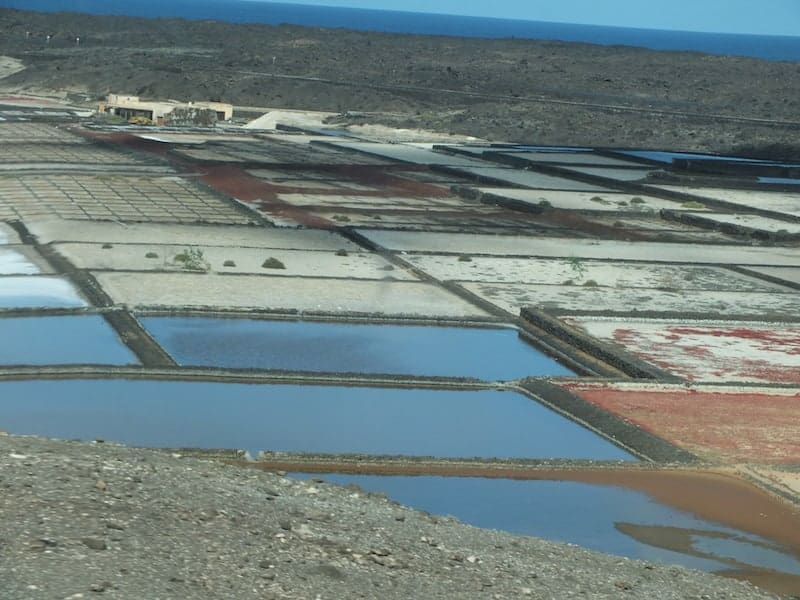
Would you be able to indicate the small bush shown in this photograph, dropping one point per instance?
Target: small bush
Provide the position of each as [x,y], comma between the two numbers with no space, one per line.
[151,255]
[192,259]
[272,263]
[341,252]
[599,200]
[229,263]
[464,258]
[577,267]
[107,246]
[637,200]
[590,283]
[341,218]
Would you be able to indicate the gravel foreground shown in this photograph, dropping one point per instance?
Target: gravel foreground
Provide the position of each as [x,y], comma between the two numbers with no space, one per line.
[84,520]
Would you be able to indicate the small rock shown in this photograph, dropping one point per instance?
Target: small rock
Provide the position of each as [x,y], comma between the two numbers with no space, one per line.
[304,532]
[285,524]
[94,543]
[330,571]
[100,587]
[318,515]
[473,559]
[384,561]
[101,485]
[41,544]
[115,525]
[623,585]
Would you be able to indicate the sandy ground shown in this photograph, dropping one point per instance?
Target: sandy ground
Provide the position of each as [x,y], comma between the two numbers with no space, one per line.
[386,297]
[57,230]
[296,263]
[589,249]
[9,66]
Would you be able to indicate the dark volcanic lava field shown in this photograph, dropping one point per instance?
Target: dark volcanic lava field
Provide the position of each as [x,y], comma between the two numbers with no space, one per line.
[504,90]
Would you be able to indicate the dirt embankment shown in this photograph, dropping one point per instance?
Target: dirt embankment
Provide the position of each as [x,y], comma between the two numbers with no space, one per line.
[516,90]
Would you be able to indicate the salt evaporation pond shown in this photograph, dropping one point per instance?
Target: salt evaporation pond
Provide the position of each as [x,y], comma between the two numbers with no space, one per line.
[486,353]
[38,292]
[60,340]
[13,262]
[291,418]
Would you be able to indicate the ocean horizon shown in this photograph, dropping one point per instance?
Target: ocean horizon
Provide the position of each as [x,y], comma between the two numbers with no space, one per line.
[774,48]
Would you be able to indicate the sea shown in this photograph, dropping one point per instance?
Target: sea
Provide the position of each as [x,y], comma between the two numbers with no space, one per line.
[774,48]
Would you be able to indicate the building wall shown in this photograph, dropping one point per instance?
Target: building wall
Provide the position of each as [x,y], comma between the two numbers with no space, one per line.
[132,106]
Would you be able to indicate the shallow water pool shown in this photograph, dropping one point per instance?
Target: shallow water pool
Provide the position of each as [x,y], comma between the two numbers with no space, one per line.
[292,418]
[484,353]
[607,518]
[61,340]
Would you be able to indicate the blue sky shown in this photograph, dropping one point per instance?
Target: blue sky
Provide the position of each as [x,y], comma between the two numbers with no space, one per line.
[764,17]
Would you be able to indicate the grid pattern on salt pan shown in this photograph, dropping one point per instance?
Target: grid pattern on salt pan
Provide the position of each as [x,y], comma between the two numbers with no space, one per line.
[131,199]
[35,132]
[73,153]
[274,152]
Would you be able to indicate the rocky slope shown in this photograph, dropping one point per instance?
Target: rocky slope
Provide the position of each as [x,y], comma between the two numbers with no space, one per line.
[80,520]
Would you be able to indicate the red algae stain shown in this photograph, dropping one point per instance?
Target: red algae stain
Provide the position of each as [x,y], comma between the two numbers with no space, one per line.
[719,425]
[789,340]
[758,354]
[386,184]
[235,182]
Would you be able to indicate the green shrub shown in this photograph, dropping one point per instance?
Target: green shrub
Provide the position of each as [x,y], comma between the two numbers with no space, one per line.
[192,259]
[273,263]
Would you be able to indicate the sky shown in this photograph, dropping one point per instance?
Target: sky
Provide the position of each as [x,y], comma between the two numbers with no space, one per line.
[761,17]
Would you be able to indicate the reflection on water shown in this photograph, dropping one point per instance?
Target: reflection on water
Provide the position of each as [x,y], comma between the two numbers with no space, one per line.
[492,354]
[781,180]
[290,418]
[38,292]
[60,341]
[605,518]
[738,551]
